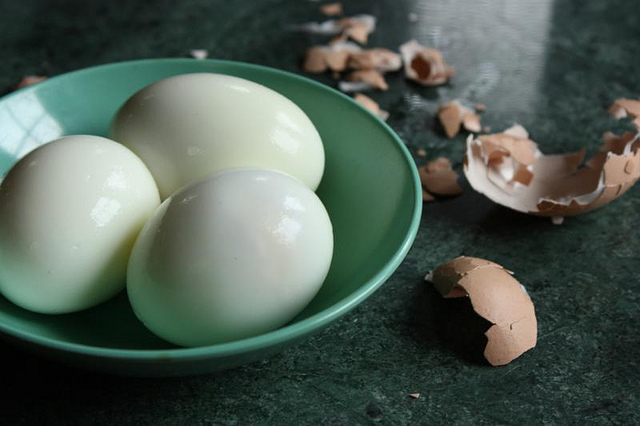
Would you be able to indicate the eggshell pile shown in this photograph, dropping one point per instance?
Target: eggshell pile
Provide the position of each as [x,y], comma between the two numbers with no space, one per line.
[70,212]
[232,256]
[188,126]
[497,297]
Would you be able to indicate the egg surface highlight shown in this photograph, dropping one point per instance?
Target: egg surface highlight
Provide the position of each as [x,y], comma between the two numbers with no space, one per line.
[238,254]
[188,126]
[70,212]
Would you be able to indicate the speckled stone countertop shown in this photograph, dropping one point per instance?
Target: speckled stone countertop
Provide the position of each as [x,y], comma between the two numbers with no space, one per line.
[553,66]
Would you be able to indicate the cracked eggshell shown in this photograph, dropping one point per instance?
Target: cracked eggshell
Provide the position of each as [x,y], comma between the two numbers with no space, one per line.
[358,27]
[497,297]
[510,170]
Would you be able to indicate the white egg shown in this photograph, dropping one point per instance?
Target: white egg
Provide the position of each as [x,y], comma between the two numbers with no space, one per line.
[191,125]
[238,254]
[69,214]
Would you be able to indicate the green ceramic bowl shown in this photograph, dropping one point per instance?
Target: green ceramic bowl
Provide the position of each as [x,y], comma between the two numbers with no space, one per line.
[370,188]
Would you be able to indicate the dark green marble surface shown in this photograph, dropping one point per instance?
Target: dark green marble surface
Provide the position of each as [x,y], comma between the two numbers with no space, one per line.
[553,66]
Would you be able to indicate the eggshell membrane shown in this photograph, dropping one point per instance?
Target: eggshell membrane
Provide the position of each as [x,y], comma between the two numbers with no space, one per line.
[497,297]
[188,126]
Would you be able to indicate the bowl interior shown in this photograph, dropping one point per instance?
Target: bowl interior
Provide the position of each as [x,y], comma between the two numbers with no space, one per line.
[369,187]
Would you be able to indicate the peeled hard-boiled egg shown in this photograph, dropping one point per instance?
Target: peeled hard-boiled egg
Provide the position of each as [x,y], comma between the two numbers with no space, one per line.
[191,125]
[232,256]
[70,212]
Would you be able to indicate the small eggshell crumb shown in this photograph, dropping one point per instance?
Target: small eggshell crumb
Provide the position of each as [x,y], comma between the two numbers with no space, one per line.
[331,9]
[199,54]
[29,80]
[497,297]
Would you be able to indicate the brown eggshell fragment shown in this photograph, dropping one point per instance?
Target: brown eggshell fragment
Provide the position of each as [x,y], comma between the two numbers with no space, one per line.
[438,178]
[453,115]
[471,122]
[371,105]
[371,77]
[358,27]
[442,182]
[29,80]
[440,163]
[497,297]
[450,116]
[337,59]
[314,61]
[622,108]
[446,276]
[383,60]
[319,59]
[331,9]
[424,65]
[510,170]
[427,197]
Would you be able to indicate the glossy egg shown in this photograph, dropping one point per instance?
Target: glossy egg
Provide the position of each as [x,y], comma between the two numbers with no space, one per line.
[188,126]
[69,214]
[238,254]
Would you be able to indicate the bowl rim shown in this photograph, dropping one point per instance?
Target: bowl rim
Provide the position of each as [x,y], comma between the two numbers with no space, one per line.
[265,340]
